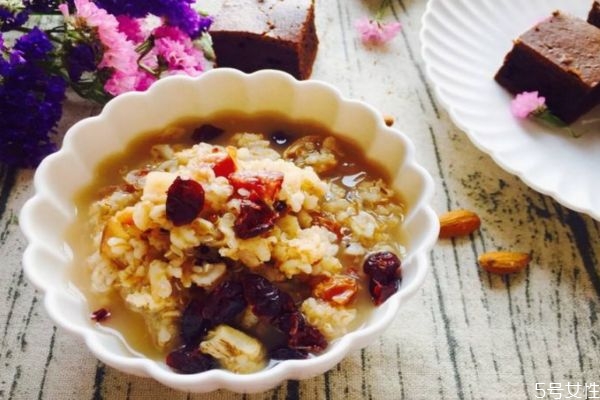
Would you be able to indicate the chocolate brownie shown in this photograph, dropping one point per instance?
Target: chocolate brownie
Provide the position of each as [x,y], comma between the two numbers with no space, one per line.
[594,14]
[560,58]
[256,34]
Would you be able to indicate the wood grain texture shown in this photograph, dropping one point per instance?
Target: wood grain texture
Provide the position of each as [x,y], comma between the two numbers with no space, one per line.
[467,334]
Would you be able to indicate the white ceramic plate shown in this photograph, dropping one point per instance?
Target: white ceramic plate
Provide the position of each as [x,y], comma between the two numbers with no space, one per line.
[46,216]
[463,45]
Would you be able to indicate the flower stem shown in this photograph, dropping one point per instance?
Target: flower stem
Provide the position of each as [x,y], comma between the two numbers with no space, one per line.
[382,8]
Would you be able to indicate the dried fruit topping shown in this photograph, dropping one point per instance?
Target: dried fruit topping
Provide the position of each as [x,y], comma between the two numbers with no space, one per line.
[206,133]
[504,262]
[224,303]
[280,206]
[382,266]
[280,138]
[383,269]
[301,335]
[458,223]
[101,314]
[277,306]
[266,299]
[338,289]
[381,292]
[224,167]
[193,324]
[287,353]
[264,184]
[185,199]
[190,361]
[255,218]
[221,305]
[206,254]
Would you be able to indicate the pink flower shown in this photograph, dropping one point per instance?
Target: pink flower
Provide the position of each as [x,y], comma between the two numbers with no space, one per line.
[176,48]
[119,53]
[131,27]
[375,32]
[527,103]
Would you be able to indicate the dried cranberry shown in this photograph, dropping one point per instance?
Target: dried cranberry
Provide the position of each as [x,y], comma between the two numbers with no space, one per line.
[224,167]
[381,292]
[206,133]
[224,303]
[264,184]
[383,266]
[100,315]
[185,199]
[193,324]
[255,218]
[190,361]
[287,353]
[267,300]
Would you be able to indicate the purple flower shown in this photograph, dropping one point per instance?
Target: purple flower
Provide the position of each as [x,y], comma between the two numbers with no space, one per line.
[79,59]
[178,13]
[30,101]
[527,103]
[12,18]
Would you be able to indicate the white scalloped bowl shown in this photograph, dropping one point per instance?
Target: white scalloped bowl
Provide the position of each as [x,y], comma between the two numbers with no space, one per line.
[45,218]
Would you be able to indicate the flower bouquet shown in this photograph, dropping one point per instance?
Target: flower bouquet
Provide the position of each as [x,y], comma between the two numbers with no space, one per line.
[98,48]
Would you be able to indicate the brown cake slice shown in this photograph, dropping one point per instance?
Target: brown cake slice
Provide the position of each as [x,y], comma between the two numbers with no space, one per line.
[256,34]
[560,58]
[594,14]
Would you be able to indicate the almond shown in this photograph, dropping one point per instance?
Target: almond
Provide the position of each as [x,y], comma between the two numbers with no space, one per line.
[458,223]
[504,262]
[389,119]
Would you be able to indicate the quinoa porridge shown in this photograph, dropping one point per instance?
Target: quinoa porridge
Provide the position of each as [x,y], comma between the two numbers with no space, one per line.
[237,241]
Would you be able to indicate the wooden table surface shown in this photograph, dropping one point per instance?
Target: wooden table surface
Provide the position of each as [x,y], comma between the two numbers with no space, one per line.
[466,335]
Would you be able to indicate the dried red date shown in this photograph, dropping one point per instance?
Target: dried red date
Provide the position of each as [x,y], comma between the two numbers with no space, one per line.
[190,361]
[224,167]
[255,218]
[101,314]
[264,184]
[206,133]
[185,200]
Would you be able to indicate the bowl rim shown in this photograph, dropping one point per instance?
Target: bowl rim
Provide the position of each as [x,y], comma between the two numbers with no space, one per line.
[219,378]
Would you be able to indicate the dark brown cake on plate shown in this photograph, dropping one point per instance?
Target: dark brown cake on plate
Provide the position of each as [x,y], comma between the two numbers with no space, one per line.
[560,58]
[594,14]
[256,34]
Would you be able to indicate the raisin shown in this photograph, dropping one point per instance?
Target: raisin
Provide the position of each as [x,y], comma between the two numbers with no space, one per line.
[383,266]
[255,218]
[100,315]
[267,300]
[206,254]
[193,324]
[185,200]
[301,335]
[263,184]
[287,353]
[381,292]
[206,133]
[224,303]
[190,361]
